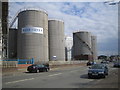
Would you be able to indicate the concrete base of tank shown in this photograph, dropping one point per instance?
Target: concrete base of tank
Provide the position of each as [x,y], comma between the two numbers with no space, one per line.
[41,62]
[83,57]
[66,62]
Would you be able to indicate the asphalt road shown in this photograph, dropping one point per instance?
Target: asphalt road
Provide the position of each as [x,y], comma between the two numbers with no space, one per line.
[73,77]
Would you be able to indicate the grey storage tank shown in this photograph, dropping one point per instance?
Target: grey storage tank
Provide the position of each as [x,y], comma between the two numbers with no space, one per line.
[82,45]
[12,44]
[56,40]
[94,46]
[33,35]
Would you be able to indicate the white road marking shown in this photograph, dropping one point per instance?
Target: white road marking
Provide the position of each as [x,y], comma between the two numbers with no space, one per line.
[54,74]
[35,73]
[19,81]
[78,70]
[74,71]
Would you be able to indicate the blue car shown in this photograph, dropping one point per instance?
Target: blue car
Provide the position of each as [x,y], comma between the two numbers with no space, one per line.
[90,63]
[98,70]
[116,64]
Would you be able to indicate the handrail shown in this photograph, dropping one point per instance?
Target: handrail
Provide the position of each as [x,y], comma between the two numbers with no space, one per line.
[24,9]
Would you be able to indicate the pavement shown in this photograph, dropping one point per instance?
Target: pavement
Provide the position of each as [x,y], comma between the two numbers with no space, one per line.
[18,71]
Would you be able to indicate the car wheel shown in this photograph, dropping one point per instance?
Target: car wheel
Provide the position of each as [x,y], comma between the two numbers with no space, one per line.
[106,73]
[30,71]
[103,76]
[46,70]
[89,76]
[37,71]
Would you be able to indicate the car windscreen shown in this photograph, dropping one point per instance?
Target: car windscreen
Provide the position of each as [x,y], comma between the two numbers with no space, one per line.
[33,65]
[40,65]
[97,67]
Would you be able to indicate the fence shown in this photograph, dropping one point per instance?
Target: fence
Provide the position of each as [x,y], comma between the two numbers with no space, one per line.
[16,62]
[7,64]
[26,61]
[67,62]
[21,61]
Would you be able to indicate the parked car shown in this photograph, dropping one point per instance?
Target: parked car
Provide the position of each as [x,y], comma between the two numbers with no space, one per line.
[98,70]
[37,68]
[116,64]
[90,63]
[105,62]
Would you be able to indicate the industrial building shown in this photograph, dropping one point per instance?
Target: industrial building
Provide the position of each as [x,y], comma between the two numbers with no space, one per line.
[56,39]
[82,45]
[94,46]
[68,48]
[34,35]
[43,39]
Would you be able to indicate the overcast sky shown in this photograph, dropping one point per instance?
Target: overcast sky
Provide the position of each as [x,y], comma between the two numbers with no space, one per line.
[97,17]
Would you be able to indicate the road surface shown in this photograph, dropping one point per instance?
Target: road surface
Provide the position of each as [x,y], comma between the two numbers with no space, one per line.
[72,77]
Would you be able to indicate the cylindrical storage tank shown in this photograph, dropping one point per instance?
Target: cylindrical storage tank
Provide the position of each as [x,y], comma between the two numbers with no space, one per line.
[33,35]
[81,45]
[56,40]
[12,44]
[94,47]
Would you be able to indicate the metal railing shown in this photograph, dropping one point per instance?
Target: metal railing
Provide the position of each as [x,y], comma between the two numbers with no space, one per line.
[21,61]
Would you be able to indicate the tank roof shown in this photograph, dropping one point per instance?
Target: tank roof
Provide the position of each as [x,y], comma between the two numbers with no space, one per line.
[56,20]
[93,36]
[30,8]
[81,31]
